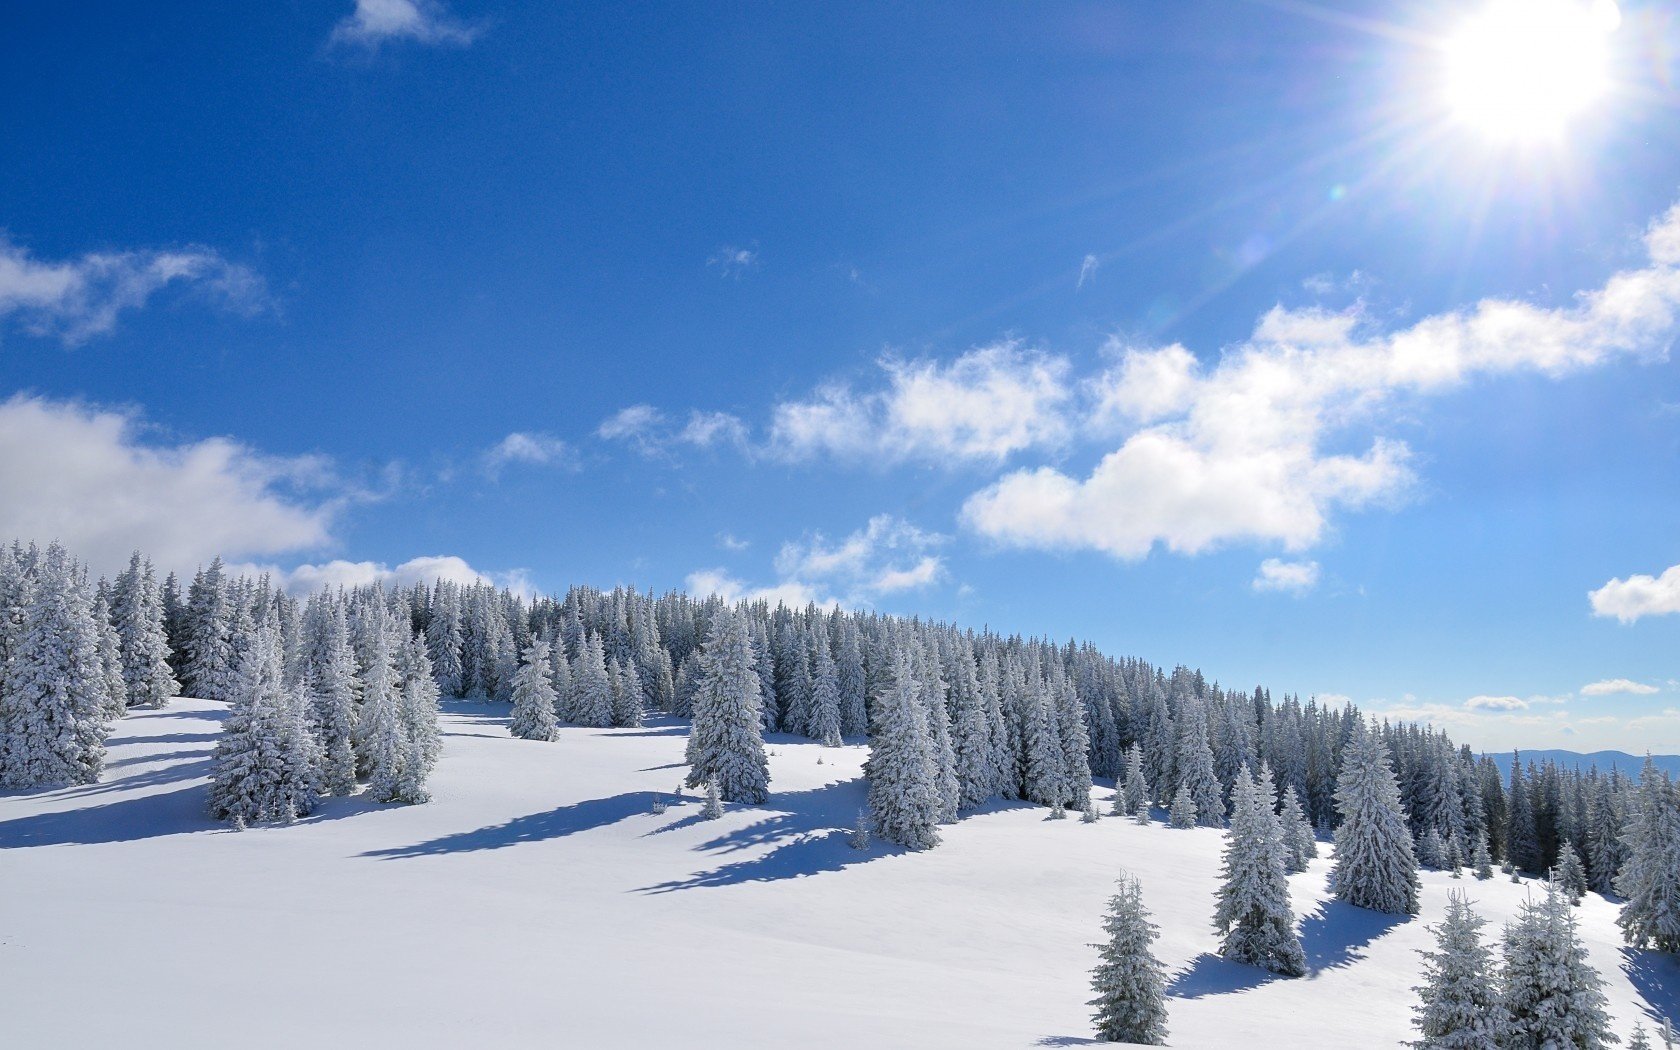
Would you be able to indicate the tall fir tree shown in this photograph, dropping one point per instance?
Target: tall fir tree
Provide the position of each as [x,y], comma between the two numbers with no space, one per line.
[825,699]
[1552,994]
[1458,1003]
[1254,918]
[330,690]
[1129,981]
[137,611]
[904,800]
[1650,878]
[266,763]
[726,741]
[533,696]
[1374,867]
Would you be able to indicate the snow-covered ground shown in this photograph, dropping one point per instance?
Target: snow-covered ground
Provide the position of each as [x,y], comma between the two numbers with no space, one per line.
[538,900]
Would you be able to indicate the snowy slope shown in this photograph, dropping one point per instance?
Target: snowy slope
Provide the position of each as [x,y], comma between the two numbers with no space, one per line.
[539,901]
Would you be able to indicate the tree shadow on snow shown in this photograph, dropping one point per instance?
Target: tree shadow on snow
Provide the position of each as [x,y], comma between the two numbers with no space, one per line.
[807,833]
[127,820]
[1070,1040]
[533,827]
[1337,933]
[1211,975]
[1657,978]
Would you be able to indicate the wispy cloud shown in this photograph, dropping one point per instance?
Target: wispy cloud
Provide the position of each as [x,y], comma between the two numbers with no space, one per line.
[732,261]
[1293,577]
[530,448]
[1613,686]
[1087,270]
[76,299]
[374,23]
[1638,596]
[730,542]
[1495,703]
[887,556]
[308,578]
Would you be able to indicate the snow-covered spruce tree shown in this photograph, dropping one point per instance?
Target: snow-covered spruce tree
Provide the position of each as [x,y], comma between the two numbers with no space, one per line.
[1046,765]
[972,738]
[1374,865]
[1254,918]
[1129,982]
[330,688]
[533,696]
[208,664]
[904,800]
[1432,851]
[55,709]
[713,806]
[1481,860]
[628,697]
[443,639]
[854,711]
[418,713]
[592,698]
[1298,835]
[1135,794]
[1605,853]
[110,655]
[1552,994]
[1182,812]
[137,609]
[725,741]
[932,698]
[266,762]
[825,700]
[1650,878]
[1458,1002]
[1640,1039]
[1570,874]
[381,745]
[1195,767]
[1076,741]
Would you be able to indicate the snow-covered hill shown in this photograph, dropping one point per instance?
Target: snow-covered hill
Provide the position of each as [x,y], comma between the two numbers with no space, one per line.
[538,901]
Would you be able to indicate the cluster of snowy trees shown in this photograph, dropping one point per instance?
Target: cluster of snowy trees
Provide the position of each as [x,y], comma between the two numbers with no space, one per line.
[73,657]
[953,718]
[1542,992]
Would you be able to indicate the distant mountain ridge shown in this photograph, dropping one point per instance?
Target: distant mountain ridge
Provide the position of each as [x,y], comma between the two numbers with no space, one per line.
[1604,760]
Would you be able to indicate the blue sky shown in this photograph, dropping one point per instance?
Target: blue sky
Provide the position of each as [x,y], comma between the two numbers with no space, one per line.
[1153,324]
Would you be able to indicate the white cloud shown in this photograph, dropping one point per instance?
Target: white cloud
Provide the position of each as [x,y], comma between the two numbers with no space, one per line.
[1612,686]
[77,299]
[636,425]
[1495,703]
[1087,270]
[793,594]
[1244,450]
[306,579]
[1628,600]
[83,475]
[1333,699]
[730,542]
[1294,577]
[535,449]
[987,404]
[887,556]
[732,261]
[375,22]
[707,429]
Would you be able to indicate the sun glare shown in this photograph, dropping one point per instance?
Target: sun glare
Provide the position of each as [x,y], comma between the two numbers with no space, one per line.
[1521,70]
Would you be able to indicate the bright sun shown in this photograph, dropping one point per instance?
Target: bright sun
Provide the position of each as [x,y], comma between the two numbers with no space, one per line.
[1520,70]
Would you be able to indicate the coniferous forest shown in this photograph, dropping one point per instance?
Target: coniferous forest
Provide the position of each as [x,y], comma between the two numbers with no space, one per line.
[338,693]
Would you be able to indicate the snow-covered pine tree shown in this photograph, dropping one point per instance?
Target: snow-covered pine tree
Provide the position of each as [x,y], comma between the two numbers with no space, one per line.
[1552,994]
[825,700]
[138,612]
[1570,874]
[1182,812]
[1431,852]
[444,639]
[1195,766]
[1298,837]
[725,742]
[1129,981]
[1650,878]
[110,654]
[1640,1039]
[418,714]
[713,806]
[330,688]
[1458,1003]
[1374,866]
[208,664]
[1135,795]
[904,800]
[932,698]
[1254,918]
[266,761]
[1076,740]
[628,697]
[533,696]
[55,707]
[592,685]
[1045,764]
[381,745]
[1605,853]
[1481,860]
[854,712]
